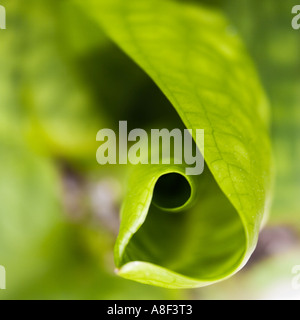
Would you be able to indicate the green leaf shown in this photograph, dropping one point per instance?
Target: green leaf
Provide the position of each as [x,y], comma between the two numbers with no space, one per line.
[278,67]
[198,61]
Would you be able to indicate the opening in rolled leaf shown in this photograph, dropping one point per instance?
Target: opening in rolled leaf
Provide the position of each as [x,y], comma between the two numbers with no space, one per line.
[171,191]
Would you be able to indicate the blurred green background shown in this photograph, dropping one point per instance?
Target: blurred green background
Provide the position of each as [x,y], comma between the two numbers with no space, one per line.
[61,81]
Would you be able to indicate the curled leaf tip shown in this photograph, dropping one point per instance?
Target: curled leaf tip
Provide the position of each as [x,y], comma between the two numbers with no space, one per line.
[212,84]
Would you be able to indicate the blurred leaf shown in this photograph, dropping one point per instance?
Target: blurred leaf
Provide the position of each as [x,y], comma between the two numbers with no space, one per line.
[201,66]
[29,210]
[47,112]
